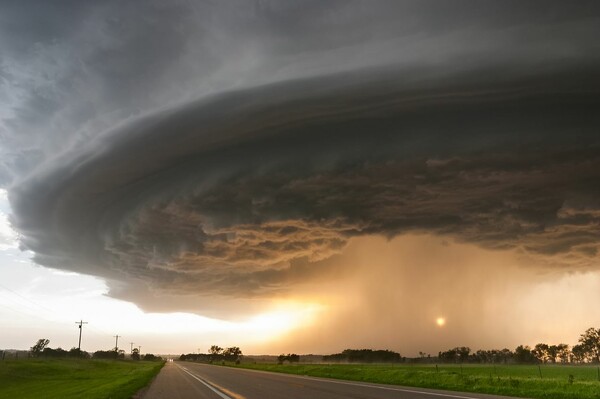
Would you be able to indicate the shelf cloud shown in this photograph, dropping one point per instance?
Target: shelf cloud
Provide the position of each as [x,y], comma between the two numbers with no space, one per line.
[235,150]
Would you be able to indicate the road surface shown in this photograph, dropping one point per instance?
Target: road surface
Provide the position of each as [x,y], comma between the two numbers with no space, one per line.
[186,380]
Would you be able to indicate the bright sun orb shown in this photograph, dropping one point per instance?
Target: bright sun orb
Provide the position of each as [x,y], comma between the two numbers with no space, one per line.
[440,321]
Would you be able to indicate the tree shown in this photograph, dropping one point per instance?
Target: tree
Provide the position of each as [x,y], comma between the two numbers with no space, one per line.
[135,354]
[523,354]
[58,352]
[563,353]
[552,353]
[215,350]
[463,353]
[39,347]
[215,353]
[540,351]
[76,352]
[590,341]
[458,354]
[579,353]
[293,358]
[290,357]
[111,354]
[448,356]
[232,354]
[505,354]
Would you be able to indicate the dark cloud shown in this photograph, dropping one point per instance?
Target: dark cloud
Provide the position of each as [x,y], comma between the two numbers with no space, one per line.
[236,152]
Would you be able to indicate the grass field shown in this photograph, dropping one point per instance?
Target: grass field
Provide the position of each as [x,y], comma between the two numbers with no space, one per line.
[557,381]
[71,378]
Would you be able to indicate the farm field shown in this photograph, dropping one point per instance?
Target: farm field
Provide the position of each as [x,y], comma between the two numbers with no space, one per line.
[74,378]
[556,381]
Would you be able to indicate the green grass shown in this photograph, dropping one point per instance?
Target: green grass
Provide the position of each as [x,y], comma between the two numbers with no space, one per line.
[509,380]
[71,378]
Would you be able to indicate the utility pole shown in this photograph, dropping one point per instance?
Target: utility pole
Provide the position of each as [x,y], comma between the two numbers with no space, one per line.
[139,350]
[117,342]
[131,350]
[81,323]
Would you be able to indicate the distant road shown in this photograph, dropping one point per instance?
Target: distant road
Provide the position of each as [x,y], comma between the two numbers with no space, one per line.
[186,380]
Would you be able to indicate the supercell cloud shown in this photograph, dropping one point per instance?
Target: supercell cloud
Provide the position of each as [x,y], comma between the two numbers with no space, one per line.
[235,149]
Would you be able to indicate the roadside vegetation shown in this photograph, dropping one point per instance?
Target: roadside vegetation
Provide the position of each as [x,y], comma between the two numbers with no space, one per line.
[74,378]
[556,381]
[44,372]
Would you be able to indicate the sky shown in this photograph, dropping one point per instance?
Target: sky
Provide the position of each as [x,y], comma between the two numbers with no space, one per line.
[299,176]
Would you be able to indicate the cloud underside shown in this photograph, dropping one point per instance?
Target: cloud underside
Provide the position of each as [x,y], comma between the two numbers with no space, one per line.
[249,192]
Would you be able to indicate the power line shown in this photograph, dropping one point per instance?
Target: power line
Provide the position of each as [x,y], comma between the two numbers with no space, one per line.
[28,299]
[21,302]
[35,311]
[28,310]
[14,310]
[46,310]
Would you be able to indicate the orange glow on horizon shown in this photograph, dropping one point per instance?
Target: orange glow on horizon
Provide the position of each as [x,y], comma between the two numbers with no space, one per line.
[285,317]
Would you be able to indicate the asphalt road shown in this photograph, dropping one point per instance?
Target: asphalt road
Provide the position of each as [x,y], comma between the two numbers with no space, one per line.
[186,380]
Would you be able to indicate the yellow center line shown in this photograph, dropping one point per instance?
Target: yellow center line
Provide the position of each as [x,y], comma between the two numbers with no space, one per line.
[219,390]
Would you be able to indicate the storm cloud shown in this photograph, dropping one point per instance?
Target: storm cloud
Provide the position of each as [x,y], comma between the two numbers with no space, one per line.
[235,150]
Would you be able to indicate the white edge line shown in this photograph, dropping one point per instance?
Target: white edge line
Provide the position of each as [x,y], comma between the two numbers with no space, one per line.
[221,394]
[385,388]
[333,381]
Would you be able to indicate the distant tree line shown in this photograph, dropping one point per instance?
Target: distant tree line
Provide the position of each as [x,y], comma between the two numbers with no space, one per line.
[364,356]
[586,351]
[290,357]
[196,357]
[215,354]
[110,354]
[41,349]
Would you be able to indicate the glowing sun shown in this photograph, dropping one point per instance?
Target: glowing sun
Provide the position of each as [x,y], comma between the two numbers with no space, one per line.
[440,321]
